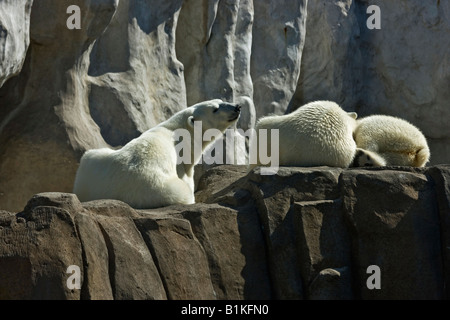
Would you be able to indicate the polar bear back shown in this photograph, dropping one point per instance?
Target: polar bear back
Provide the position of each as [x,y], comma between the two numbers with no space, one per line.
[316,134]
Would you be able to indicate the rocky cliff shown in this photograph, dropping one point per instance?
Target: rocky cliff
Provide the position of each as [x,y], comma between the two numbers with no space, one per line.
[133,64]
[304,233]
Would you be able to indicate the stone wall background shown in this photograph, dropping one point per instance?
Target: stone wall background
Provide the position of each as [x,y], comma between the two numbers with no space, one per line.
[135,63]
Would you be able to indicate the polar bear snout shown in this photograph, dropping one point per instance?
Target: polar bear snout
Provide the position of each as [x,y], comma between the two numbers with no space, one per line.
[230,106]
[234,109]
[237,113]
[229,111]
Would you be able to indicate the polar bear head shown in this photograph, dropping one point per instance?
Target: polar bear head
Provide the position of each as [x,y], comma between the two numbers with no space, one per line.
[214,114]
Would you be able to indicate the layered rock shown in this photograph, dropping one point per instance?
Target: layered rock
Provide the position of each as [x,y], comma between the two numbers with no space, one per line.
[14,36]
[409,82]
[135,78]
[331,61]
[44,130]
[325,227]
[304,233]
[278,40]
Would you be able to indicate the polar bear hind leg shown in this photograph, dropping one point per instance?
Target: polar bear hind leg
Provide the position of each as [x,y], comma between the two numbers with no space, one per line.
[176,191]
[171,191]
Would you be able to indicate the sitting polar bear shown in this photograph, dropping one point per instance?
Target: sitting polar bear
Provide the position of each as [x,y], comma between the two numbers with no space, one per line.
[145,173]
[319,133]
[389,141]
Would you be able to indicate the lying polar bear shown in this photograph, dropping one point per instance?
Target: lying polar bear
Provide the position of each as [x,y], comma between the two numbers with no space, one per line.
[319,133]
[389,141]
[145,173]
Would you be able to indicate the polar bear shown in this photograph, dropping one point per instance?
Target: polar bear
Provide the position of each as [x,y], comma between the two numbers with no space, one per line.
[396,141]
[319,133]
[146,172]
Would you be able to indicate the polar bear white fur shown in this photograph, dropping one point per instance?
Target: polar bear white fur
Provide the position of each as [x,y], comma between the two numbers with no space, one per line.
[316,134]
[395,140]
[144,173]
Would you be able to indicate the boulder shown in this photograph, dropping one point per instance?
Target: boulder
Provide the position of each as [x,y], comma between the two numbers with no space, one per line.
[234,246]
[177,251]
[274,196]
[96,280]
[324,249]
[399,231]
[132,271]
[38,247]
[439,175]
[331,284]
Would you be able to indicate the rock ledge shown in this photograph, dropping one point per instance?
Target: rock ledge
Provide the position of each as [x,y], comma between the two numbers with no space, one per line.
[305,233]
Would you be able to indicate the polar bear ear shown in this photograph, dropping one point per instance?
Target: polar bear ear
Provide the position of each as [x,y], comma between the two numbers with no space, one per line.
[354,115]
[190,121]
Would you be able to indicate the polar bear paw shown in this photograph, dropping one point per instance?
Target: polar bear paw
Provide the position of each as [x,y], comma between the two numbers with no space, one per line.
[365,158]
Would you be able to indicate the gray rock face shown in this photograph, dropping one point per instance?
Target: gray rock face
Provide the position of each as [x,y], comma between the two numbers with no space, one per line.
[135,78]
[409,81]
[331,60]
[135,63]
[44,109]
[14,36]
[381,71]
[76,93]
[305,233]
[278,40]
